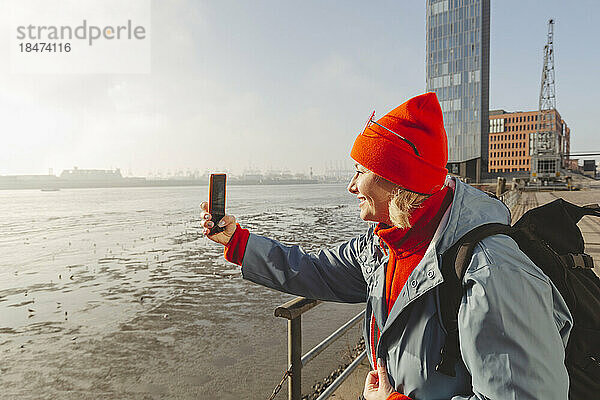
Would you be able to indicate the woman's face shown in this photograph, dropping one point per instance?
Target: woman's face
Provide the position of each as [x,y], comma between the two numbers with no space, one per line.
[373,193]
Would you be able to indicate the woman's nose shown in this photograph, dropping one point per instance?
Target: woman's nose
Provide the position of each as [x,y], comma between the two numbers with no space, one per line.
[352,186]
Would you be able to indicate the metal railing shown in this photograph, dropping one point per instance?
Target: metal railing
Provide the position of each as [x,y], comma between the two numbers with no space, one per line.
[511,198]
[292,311]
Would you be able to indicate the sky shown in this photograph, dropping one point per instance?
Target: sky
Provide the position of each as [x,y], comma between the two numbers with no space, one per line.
[284,85]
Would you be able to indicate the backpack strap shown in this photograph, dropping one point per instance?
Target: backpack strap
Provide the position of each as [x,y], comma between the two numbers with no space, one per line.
[578,260]
[455,261]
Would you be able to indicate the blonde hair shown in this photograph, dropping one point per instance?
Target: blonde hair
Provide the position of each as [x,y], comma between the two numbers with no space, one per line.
[402,203]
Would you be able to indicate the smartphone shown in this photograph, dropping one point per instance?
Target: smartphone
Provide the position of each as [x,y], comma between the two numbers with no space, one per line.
[216,200]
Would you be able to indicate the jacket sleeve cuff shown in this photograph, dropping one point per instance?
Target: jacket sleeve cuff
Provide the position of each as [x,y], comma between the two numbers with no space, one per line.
[398,396]
[234,250]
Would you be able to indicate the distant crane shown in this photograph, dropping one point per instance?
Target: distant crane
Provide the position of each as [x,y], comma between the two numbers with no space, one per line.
[547,88]
[546,142]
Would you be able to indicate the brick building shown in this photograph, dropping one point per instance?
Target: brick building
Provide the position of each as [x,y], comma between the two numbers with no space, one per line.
[511,135]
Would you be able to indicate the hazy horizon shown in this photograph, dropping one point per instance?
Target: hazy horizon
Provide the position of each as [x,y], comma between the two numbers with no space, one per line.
[276,85]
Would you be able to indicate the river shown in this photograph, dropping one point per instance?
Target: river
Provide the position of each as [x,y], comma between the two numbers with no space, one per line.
[114,293]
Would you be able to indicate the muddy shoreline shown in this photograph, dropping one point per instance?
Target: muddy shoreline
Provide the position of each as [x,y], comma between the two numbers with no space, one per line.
[114,294]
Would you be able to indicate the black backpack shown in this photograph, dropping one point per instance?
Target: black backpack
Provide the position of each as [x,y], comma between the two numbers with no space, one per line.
[549,236]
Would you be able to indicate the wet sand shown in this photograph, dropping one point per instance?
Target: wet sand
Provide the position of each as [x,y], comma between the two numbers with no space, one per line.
[113,294]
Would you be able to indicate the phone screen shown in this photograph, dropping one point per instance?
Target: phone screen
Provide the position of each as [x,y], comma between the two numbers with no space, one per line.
[217,199]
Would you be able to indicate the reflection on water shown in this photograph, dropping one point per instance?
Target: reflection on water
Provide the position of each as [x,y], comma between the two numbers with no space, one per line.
[113,293]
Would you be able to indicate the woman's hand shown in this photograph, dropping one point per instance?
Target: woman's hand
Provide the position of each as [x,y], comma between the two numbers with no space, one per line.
[377,384]
[227,222]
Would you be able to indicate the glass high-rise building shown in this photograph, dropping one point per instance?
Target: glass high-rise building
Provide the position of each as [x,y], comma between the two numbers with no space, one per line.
[458,43]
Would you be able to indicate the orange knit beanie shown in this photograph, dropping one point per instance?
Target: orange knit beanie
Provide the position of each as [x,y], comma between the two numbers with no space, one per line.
[417,161]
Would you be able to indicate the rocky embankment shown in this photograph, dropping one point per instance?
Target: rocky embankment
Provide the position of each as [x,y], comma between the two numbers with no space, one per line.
[348,357]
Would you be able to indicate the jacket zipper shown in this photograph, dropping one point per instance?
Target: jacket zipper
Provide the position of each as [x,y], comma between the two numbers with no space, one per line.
[374,340]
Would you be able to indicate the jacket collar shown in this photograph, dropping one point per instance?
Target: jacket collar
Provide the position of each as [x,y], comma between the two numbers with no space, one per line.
[470,208]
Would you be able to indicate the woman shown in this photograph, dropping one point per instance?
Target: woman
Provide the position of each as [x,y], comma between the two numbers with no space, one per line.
[513,323]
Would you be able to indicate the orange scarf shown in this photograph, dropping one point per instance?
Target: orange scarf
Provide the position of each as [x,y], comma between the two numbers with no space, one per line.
[407,246]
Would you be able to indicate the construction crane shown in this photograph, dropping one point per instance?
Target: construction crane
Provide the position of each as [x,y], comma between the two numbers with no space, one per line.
[547,89]
[546,143]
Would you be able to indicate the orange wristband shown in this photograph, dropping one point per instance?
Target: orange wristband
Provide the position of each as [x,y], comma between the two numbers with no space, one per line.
[234,250]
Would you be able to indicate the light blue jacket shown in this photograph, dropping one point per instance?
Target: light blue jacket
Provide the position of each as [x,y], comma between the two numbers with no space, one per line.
[513,322]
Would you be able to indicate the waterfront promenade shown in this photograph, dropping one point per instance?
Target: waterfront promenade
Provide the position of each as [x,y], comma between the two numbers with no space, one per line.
[590,227]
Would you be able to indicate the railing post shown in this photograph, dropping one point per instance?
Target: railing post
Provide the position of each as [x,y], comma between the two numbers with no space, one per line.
[500,186]
[295,358]
[292,311]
